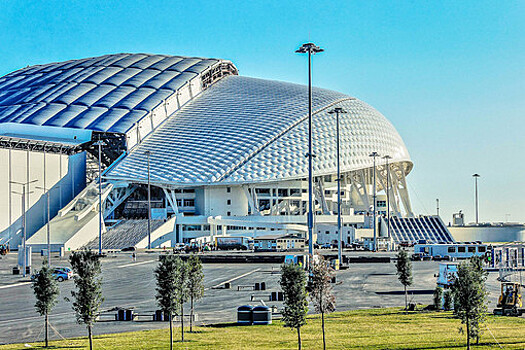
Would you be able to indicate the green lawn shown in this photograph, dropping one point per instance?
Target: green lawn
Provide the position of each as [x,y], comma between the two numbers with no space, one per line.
[362,329]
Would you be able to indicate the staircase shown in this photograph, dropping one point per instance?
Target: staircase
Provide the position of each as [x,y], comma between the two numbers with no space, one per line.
[124,234]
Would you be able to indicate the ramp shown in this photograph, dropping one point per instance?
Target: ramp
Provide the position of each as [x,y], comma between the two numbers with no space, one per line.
[76,224]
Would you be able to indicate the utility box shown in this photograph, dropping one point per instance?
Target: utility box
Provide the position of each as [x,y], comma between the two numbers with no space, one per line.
[261,315]
[244,315]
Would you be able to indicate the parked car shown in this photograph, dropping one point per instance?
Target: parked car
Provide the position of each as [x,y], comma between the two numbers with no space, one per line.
[417,257]
[60,273]
[326,246]
[179,247]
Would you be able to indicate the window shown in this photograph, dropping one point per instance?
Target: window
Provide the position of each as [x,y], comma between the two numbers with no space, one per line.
[228,189]
[262,190]
[294,191]
[461,249]
[471,249]
[327,232]
[451,249]
[179,202]
[189,202]
[482,249]
[326,191]
[282,192]
[229,202]
[229,213]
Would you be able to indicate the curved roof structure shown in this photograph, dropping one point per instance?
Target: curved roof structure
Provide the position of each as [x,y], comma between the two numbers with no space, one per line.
[200,121]
[110,93]
[246,130]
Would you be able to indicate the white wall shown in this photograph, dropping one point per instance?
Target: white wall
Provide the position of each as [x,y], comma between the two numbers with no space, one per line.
[333,235]
[217,197]
[63,173]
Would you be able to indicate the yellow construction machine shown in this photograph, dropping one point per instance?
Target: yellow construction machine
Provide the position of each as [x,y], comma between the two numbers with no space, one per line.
[510,301]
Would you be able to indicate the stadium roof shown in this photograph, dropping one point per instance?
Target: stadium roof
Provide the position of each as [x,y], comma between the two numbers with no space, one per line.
[108,94]
[251,130]
[201,123]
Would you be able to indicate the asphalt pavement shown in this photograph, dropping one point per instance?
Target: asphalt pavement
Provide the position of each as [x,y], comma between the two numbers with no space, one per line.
[128,284]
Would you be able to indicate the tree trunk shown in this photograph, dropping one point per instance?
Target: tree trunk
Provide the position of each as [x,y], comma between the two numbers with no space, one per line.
[182,322]
[299,338]
[90,336]
[322,326]
[406,298]
[47,322]
[171,332]
[468,335]
[191,315]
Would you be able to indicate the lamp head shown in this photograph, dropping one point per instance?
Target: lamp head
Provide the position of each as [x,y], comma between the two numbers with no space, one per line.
[309,47]
[337,110]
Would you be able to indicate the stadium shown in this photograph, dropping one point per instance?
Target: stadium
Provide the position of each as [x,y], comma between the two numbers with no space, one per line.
[221,154]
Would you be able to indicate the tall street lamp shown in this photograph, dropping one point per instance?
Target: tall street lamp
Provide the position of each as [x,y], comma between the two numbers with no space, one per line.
[148,154]
[99,143]
[374,155]
[386,158]
[476,176]
[24,217]
[338,110]
[310,49]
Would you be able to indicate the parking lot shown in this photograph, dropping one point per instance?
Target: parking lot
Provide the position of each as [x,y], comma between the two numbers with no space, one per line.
[128,284]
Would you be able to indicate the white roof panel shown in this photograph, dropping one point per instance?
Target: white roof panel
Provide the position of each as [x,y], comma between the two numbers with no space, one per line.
[251,130]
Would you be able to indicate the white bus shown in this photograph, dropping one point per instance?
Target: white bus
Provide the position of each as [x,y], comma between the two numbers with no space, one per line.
[451,250]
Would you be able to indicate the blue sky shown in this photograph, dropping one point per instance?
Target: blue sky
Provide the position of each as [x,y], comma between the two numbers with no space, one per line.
[450,75]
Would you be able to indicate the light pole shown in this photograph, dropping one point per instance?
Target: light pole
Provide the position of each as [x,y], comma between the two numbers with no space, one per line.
[374,155]
[310,49]
[99,143]
[338,110]
[24,217]
[437,206]
[476,176]
[386,158]
[148,154]
[47,225]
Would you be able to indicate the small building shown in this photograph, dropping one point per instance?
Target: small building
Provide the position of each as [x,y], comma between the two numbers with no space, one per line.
[507,256]
[327,233]
[265,243]
[290,243]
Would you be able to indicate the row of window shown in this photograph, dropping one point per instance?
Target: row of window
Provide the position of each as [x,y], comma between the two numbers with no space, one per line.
[471,249]
[185,202]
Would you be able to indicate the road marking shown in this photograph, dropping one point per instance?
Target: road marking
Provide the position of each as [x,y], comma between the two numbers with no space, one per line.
[135,264]
[15,285]
[233,279]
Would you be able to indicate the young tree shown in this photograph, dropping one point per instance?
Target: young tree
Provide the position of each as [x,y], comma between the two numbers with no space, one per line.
[195,283]
[321,290]
[438,295]
[166,297]
[181,290]
[171,289]
[46,292]
[470,295]
[88,295]
[404,272]
[447,300]
[293,284]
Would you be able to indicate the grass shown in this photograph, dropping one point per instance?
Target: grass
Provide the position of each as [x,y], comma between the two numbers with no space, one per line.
[361,329]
